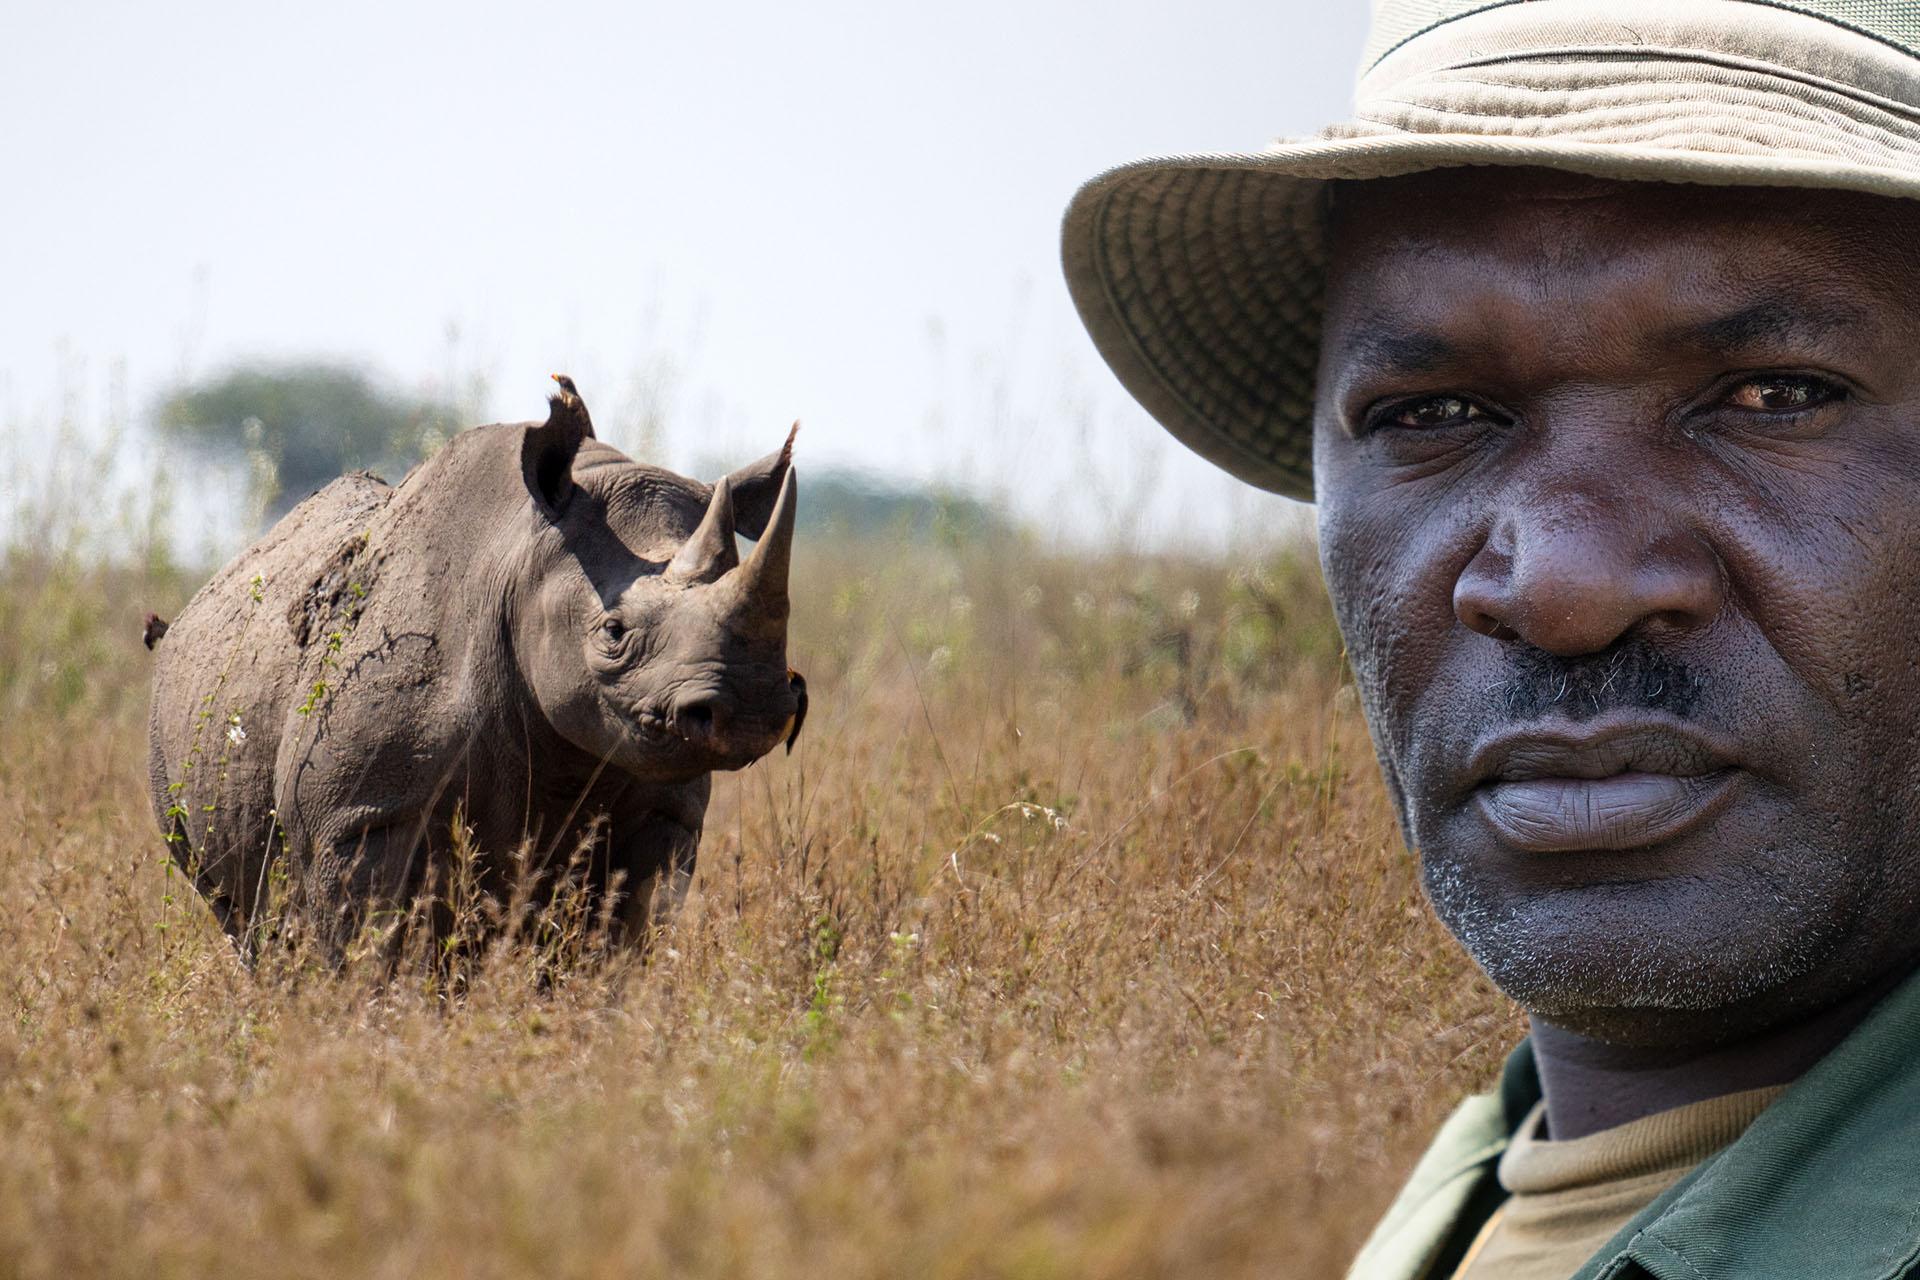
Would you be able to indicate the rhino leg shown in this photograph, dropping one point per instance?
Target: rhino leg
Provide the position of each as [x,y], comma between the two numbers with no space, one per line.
[654,861]
[212,890]
[364,878]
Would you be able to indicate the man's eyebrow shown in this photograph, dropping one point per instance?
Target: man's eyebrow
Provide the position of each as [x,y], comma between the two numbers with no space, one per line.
[1770,320]
[1379,343]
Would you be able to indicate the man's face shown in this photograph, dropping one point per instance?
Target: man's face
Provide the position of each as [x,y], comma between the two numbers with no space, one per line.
[1619,492]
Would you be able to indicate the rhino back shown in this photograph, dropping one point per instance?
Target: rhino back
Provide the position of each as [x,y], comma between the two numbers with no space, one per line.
[228,675]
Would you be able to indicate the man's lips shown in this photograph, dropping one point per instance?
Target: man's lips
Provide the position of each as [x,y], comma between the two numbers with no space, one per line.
[1609,784]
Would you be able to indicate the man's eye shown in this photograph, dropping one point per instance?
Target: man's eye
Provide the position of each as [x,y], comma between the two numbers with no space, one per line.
[1434,411]
[1782,394]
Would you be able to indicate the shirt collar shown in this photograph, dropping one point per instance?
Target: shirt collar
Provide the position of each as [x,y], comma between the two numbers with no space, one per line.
[1825,1183]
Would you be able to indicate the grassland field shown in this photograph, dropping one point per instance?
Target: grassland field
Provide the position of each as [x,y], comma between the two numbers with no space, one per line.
[1074,940]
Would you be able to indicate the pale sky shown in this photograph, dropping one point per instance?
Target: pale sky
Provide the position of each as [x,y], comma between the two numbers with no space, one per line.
[743,214]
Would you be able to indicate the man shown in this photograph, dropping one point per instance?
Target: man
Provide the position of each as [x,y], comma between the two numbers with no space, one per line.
[1594,338]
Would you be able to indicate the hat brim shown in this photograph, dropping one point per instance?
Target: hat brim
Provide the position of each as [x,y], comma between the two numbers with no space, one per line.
[1200,278]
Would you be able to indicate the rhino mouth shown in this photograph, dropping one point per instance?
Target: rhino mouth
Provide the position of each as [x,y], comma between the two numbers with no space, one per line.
[651,725]
[692,736]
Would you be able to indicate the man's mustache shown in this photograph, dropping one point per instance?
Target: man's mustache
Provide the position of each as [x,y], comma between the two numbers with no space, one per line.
[1631,675]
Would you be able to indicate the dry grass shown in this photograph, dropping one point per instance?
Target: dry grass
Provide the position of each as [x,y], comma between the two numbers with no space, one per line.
[1075,940]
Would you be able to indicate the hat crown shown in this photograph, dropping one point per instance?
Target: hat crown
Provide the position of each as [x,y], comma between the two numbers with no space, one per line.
[1897,22]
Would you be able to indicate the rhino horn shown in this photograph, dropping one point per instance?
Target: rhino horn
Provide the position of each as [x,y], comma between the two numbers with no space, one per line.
[756,487]
[710,552]
[763,578]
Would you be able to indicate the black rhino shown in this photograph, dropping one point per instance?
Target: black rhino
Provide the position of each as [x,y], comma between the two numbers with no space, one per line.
[531,635]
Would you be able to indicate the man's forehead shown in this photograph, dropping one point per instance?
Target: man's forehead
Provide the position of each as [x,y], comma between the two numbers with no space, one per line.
[1471,251]
[1528,215]
[1531,210]
[1424,339]
[1482,184]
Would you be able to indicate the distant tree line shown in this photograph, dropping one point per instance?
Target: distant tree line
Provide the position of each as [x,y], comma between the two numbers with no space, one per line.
[296,425]
[299,424]
[858,505]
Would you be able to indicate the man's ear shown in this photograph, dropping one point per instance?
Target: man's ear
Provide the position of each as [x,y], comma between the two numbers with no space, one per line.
[547,451]
[756,487]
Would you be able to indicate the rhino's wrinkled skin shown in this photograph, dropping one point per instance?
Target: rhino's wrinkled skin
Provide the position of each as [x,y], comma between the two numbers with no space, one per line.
[531,635]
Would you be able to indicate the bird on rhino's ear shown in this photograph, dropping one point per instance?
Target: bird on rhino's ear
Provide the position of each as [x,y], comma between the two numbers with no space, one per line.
[756,487]
[546,454]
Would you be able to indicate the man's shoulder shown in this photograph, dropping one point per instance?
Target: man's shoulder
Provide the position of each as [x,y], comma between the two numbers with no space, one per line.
[1439,1195]
[1452,1189]
[1825,1182]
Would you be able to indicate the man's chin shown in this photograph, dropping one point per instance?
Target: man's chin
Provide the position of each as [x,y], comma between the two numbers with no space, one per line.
[1653,962]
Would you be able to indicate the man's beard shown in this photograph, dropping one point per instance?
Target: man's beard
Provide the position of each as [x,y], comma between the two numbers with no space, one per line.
[1570,954]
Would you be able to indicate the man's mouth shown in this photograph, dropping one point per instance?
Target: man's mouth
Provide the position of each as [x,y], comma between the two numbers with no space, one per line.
[1615,783]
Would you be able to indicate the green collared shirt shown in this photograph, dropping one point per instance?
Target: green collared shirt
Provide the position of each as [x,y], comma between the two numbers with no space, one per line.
[1825,1185]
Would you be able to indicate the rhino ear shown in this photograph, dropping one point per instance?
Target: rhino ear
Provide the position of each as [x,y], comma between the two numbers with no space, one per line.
[756,487]
[547,451]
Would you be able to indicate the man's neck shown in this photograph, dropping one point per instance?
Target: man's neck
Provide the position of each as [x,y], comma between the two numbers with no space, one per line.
[1592,1085]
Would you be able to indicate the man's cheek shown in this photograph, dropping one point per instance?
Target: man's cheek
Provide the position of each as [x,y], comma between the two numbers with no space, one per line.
[1833,606]
[1397,626]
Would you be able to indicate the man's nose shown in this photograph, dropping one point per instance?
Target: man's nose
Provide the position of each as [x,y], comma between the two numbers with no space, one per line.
[1584,576]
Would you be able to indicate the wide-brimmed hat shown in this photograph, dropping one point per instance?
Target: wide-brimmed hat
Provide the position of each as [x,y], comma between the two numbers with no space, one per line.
[1200,276]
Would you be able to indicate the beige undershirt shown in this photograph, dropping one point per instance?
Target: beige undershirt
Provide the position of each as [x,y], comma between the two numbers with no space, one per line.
[1567,1199]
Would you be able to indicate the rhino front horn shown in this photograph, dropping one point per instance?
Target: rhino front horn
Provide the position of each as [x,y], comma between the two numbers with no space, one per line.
[763,578]
[710,552]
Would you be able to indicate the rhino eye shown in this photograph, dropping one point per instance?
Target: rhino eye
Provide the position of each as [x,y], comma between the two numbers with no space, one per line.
[613,628]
